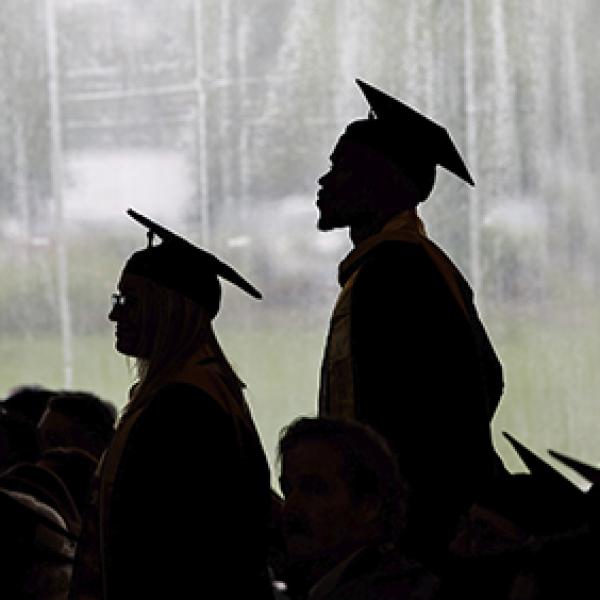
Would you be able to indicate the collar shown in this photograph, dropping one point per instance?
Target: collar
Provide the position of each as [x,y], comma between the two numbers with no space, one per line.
[332,579]
[405,226]
[188,371]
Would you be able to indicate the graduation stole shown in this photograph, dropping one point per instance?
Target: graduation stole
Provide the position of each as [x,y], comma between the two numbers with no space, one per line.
[336,391]
[203,371]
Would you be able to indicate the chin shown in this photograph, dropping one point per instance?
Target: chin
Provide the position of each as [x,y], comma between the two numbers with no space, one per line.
[325,224]
[122,349]
[301,549]
[127,349]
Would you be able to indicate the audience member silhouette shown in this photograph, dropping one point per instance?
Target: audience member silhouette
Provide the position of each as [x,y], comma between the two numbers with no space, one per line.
[344,515]
[406,351]
[18,439]
[28,402]
[183,493]
[45,485]
[36,547]
[39,519]
[75,468]
[42,495]
[77,420]
[527,538]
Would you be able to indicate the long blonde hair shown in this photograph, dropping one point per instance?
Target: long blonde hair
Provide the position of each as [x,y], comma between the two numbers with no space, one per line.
[175,328]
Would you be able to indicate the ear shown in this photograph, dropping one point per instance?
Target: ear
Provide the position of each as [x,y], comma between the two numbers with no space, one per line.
[370,509]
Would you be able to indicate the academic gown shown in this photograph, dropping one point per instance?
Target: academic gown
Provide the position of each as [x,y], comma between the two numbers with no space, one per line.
[184,513]
[408,355]
[377,572]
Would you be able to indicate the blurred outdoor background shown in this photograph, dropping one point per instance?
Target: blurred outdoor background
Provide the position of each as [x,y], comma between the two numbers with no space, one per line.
[216,117]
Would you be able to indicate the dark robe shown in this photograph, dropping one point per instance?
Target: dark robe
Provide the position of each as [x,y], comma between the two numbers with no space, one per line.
[184,513]
[422,371]
[377,572]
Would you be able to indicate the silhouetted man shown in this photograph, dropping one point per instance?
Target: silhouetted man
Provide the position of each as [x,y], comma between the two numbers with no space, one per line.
[344,514]
[406,351]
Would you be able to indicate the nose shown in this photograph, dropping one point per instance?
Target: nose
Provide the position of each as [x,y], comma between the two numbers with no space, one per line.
[294,521]
[112,314]
[290,503]
[323,178]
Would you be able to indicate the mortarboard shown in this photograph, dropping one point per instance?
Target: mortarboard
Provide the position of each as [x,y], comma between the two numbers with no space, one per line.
[550,502]
[541,470]
[592,474]
[179,265]
[409,138]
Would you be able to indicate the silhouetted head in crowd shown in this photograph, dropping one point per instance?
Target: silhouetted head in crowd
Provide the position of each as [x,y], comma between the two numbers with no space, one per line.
[75,468]
[341,487]
[168,295]
[18,440]
[45,486]
[28,401]
[77,420]
[383,165]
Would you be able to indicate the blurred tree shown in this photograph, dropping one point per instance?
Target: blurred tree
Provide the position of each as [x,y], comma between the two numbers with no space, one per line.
[24,141]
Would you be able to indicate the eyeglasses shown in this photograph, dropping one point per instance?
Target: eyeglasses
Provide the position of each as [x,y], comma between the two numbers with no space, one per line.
[122,301]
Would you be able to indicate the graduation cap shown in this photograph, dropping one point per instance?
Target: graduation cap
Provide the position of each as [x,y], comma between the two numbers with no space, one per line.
[541,470]
[550,502]
[592,474]
[179,265]
[410,139]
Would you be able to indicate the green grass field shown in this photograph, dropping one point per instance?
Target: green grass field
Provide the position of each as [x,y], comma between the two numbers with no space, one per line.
[280,370]
[552,373]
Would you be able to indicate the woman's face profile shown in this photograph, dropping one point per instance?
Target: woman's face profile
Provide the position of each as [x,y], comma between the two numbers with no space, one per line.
[127,314]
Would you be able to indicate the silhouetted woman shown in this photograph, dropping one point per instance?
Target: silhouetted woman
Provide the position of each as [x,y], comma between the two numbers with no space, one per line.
[184,495]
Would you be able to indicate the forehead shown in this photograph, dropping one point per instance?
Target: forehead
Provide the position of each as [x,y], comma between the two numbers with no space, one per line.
[346,147]
[354,152]
[53,415]
[312,457]
[130,283]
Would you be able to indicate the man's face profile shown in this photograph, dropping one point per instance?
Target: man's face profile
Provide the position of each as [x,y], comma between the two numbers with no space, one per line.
[362,184]
[320,515]
[341,196]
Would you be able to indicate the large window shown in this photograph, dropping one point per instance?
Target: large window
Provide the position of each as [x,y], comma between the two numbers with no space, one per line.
[216,117]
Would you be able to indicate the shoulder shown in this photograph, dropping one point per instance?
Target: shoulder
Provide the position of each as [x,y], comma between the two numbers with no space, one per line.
[178,399]
[384,574]
[180,413]
[396,250]
[397,272]
[397,259]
